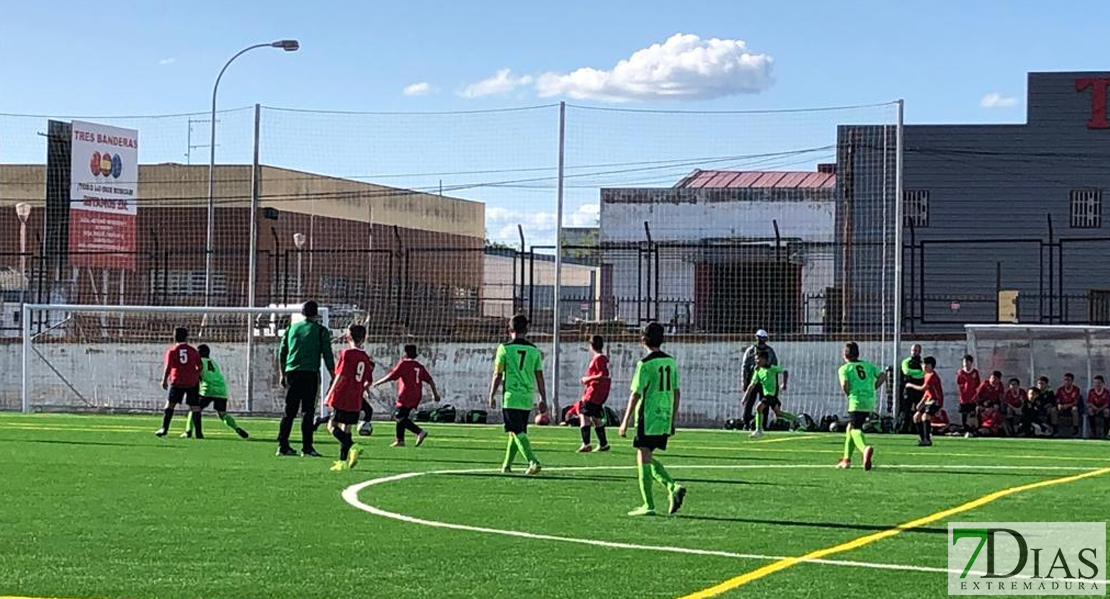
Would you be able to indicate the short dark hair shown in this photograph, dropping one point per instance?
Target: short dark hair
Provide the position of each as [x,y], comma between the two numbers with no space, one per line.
[653,334]
[519,324]
[410,351]
[851,349]
[930,361]
[1098,377]
[310,308]
[763,354]
[1069,375]
[357,332]
[203,350]
[1042,379]
[997,374]
[1015,380]
[969,358]
[597,342]
[181,334]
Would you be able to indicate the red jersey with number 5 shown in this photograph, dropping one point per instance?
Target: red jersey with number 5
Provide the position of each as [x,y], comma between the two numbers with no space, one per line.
[183,362]
[410,376]
[355,371]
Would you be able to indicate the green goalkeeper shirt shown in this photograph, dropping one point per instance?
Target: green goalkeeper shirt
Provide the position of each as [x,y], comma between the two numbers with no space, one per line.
[212,382]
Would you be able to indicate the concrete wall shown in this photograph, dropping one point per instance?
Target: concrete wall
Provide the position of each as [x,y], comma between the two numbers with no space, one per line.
[126,375]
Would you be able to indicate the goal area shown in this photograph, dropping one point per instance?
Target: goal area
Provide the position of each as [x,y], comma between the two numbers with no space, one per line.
[110,358]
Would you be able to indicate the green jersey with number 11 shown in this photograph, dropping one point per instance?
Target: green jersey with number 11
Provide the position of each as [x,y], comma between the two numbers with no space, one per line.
[655,381]
[518,361]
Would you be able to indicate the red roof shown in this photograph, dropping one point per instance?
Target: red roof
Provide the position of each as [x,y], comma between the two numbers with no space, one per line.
[700,179]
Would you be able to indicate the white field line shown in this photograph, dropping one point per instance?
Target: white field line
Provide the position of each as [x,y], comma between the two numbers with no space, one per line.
[351,496]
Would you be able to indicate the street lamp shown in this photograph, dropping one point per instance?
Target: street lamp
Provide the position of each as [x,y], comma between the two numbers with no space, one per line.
[288,46]
[299,240]
[23,212]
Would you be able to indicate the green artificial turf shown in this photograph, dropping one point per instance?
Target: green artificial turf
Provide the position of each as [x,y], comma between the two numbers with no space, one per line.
[96,506]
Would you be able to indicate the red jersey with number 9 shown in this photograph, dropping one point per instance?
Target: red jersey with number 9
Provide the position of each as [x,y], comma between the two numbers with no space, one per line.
[355,371]
[183,362]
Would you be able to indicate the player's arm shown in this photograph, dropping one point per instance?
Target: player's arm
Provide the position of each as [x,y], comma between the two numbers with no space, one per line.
[750,391]
[325,349]
[845,386]
[881,379]
[389,376]
[785,378]
[334,385]
[674,414]
[633,400]
[495,384]
[166,372]
[920,387]
[283,355]
[435,390]
[541,388]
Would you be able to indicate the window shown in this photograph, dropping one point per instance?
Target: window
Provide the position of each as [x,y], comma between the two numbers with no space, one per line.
[915,208]
[186,282]
[1086,208]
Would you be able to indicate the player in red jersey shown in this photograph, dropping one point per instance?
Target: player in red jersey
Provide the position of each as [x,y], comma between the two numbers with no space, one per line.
[591,407]
[181,377]
[352,376]
[410,376]
[1012,399]
[931,402]
[1067,404]
[967,382]
[1098,407]
[990,391]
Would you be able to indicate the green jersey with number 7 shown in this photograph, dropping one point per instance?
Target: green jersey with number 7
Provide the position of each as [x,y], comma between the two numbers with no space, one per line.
[519,361]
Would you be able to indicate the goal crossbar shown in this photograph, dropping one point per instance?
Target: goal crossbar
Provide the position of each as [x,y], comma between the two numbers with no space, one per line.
[27,337]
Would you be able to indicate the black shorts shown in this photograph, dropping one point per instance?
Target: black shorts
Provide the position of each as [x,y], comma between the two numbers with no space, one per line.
[219,403]
[771,401]
[968,408]
[591,410]
[344,417]
[929,407]
[402,413]
[191,395]
[857,419]
[516,420]
[645,441]
[302,387]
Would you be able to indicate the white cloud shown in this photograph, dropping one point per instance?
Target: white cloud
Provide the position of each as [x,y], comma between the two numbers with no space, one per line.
[997,100]
[502,82]
[539,227]
[167,61]
[685,67]
[422,88]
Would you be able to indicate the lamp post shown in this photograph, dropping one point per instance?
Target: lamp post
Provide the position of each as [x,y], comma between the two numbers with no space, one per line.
[299,240]
[23,212]
[288,46]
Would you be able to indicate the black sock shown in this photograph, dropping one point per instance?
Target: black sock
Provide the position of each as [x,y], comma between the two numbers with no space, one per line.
[167,416]
[928,428]
[308,427]
[412,427]
[367,411]
[400,434]
[197,431]
[601,440]
[345,442]
[585,434]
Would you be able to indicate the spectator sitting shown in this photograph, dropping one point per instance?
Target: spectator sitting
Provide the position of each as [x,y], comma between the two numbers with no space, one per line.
[990,391]
[1063,413]
[941,424]
[1012,399]
[990,421]
[1098,408]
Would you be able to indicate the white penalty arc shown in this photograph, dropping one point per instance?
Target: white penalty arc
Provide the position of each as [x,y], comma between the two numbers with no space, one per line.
[351,496]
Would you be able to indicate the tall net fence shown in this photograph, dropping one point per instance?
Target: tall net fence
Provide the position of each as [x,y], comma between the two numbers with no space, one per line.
[436,227]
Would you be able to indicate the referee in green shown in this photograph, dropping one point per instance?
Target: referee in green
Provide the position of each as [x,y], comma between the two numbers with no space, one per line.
[305,343]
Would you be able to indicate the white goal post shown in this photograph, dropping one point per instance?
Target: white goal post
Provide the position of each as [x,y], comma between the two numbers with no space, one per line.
[149,324]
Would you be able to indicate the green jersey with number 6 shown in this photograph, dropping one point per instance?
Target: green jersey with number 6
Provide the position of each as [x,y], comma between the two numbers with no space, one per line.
[861,377]
[655,381]
[518,361]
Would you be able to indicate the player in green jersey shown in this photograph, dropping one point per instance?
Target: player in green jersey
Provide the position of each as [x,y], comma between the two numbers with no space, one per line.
[765,380]
[213,391]
[654,402]
[859,380]
[519,366]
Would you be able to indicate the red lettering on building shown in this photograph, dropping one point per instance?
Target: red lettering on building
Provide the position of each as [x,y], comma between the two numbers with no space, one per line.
[1098,87]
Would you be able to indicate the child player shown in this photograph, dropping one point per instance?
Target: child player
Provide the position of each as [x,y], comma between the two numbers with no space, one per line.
[765,381]
[932,400]
[967,383]
[654,401]
[213,390]
[859,380]
[1012,399]
[352,377]
[518,365]
[181,377]
[1098,407]
[410,376]
[596,392]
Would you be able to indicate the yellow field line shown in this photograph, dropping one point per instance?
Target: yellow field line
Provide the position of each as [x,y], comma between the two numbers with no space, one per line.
[783,564]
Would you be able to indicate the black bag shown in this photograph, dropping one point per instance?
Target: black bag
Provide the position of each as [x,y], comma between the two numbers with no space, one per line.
[611,417]
[423,415]
[734,424]
[807,423]
[476,417]
[830,423]
[445,413]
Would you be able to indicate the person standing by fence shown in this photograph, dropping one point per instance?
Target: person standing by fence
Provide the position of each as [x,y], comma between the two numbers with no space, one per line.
[748,370]
[305,343]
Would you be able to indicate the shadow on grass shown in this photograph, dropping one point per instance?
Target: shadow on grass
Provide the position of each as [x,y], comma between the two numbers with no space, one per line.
[825,525]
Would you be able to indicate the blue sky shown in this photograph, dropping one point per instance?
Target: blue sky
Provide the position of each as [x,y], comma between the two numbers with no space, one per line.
[143,58]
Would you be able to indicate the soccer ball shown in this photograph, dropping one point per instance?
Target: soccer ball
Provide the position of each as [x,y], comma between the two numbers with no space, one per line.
[366,429]
[543,419]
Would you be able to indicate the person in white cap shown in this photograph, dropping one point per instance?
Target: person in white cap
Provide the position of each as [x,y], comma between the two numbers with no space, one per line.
[748,370]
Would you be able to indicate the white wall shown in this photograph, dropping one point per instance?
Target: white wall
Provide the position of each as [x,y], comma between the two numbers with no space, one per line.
[685,221]
[127,375]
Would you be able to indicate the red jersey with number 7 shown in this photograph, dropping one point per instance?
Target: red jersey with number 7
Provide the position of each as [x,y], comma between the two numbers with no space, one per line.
[410,376]
[354,372]
[183,362]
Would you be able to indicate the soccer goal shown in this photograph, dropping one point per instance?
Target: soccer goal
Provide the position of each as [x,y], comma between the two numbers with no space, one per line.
[109,358]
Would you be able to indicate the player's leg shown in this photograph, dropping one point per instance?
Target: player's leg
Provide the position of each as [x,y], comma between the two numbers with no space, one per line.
[524,445]
[192,399]
[309,383]
[412,427]
[292,405]
[749,404]
[512,424]
[676,494]
[599,430]
[858,439]
[221,411]
[644,477]
[174,396]
[584,428]
[367,426]
[398,429]
[760,415]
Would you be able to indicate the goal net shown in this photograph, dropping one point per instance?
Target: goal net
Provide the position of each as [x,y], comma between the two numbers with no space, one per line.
[110,358]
